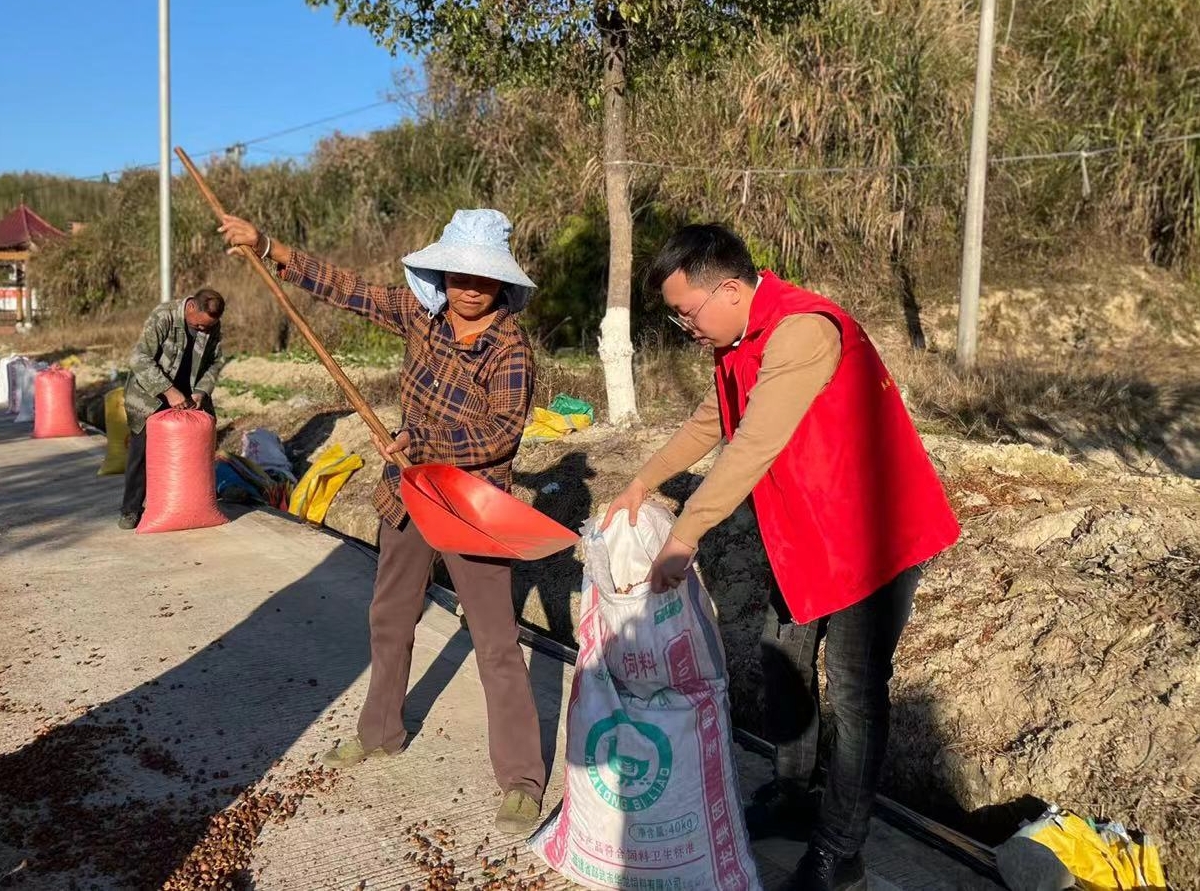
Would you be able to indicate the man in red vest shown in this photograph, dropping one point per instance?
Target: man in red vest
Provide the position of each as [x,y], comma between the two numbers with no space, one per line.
[848,505]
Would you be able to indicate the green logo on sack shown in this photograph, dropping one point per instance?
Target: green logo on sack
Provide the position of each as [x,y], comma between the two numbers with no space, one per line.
[674,608]
[628,762]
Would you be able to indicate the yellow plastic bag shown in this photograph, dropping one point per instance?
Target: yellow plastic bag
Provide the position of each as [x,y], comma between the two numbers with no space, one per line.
[315,491]
[1103,858]
[547,426]
[116,429]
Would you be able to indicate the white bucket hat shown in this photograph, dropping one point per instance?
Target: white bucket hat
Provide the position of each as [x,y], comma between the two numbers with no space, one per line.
[474,242]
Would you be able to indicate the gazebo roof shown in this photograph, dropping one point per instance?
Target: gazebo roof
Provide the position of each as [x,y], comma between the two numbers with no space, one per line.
[23,228]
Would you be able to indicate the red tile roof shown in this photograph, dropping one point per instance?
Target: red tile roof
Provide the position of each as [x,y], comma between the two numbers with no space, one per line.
[23,227]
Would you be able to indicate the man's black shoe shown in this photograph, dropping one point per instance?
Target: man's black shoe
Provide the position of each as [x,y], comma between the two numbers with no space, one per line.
[821,869]
[782,808]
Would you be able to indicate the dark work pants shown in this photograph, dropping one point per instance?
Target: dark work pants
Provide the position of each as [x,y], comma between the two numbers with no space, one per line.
[859,644]
[484,589]
[134,501]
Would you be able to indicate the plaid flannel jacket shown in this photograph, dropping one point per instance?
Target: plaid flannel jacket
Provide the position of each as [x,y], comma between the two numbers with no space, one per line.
[463,405]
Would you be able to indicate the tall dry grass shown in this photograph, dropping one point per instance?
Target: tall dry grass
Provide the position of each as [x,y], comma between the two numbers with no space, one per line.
[881,85]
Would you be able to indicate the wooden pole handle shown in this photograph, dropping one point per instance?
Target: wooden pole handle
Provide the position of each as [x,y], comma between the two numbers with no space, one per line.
[360,405]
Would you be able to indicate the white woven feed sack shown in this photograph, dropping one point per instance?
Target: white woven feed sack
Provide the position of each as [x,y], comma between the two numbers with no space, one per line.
[265,449]
[4,381]
[12,380]
[27,371]
[651,798]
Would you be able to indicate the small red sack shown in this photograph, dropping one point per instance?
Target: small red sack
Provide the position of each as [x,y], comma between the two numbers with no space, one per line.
[181,482]
[54,404]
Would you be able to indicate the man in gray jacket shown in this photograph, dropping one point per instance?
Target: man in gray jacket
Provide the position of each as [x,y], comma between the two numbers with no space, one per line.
[175,364]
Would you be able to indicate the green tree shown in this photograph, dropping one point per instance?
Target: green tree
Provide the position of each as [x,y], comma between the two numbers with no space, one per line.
[595,46]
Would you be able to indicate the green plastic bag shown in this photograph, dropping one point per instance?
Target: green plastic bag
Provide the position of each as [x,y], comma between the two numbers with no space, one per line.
[569,405]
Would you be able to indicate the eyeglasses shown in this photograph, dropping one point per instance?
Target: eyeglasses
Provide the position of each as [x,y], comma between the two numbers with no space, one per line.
[688,322]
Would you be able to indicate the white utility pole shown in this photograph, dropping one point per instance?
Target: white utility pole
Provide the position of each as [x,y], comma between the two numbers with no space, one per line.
[968,296]
[164,150]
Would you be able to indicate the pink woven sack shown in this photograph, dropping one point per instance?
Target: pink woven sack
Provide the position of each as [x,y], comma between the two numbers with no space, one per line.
[54,404]
[181,484]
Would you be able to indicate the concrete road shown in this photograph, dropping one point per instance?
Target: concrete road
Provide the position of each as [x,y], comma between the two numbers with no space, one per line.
[163,697]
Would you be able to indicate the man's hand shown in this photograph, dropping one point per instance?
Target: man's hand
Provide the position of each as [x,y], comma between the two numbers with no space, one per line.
[671,566]
[631,500]
[388,449]
[176,399]
[196,400]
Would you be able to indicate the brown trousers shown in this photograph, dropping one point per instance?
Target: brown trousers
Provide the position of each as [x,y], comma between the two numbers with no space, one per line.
[484,589]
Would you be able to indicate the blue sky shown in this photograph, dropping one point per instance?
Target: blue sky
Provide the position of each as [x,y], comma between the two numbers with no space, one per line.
[81,80]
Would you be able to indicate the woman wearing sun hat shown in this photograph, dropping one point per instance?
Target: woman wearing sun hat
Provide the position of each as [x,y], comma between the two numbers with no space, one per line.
[465,389]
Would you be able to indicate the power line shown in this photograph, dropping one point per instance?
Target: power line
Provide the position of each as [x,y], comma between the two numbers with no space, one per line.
[325,120]
[895,168]
[778,171]
[745,172]
[244,142]
[274,152]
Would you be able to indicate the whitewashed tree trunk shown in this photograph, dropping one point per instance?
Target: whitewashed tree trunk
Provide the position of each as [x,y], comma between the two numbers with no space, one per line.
[616,358]
[616,345]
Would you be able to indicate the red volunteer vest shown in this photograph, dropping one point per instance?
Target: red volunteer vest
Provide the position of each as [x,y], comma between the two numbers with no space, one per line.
[852,500]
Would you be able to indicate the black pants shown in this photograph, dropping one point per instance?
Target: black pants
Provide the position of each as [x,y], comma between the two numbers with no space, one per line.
[859,644]
[134,501]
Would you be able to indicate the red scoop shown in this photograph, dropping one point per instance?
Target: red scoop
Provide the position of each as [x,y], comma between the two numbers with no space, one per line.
[463,514]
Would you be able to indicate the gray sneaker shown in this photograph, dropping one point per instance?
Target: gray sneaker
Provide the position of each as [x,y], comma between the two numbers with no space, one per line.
[129,521]
[519,813]
[350,753]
